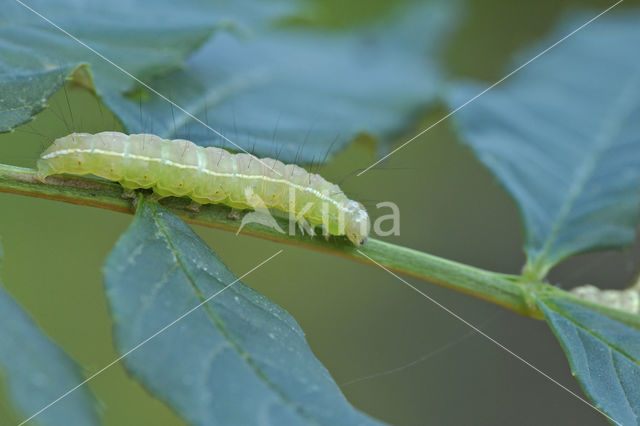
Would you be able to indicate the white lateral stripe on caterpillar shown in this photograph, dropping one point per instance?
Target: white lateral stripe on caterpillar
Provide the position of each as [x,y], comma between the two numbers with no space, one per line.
[207,175]
[317,193]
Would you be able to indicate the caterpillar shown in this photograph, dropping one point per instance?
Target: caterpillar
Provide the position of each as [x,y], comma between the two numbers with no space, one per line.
[208,175]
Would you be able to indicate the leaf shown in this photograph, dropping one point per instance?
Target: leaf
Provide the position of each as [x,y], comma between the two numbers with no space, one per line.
[603,354]
[239,359]
[24,94]
[301,93]
[35,57]
[563,137]
[35,371]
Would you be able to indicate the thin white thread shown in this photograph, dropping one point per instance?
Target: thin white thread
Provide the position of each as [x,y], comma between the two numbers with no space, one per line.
[115,361]
[410,364]
[500,345]
[490,87]
[460,339]
[101,56]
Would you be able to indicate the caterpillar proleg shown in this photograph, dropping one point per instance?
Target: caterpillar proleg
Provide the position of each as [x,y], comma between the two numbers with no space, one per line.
[208,175]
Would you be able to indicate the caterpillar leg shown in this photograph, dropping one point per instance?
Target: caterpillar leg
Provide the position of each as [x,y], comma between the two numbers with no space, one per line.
[325,233]
[234,214]
[154,196]
[194,207]
[129,194]
[304,225]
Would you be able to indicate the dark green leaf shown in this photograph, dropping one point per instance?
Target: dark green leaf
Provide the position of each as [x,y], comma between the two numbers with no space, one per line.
[604,355]
[563,136]
[35,57]
[239,359]
[35,371]
[24,94]
[302,93]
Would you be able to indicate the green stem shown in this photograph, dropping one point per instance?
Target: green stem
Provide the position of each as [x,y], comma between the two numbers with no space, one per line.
[497,288]
[512,292]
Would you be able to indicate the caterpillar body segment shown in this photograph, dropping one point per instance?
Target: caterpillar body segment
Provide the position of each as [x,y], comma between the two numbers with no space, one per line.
[207,175]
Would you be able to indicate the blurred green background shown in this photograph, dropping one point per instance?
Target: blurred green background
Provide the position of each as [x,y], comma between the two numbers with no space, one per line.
[358,319]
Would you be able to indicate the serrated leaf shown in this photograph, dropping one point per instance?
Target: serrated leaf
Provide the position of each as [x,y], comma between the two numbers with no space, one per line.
[35,371]
[36,57]
[563,137]
[604,355]
[300,93]
[239,359]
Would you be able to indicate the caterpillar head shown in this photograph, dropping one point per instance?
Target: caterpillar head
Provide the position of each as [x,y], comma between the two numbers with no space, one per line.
[358,224]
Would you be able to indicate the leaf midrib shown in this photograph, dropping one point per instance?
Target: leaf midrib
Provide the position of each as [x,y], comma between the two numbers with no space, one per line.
[594,335]
[593,371]
[244,356]
[611,126]
[615,369]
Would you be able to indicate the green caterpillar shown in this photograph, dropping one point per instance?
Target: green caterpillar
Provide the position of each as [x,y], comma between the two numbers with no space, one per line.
[208,175]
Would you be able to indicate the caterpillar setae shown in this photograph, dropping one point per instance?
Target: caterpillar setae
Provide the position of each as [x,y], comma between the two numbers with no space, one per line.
[208,175]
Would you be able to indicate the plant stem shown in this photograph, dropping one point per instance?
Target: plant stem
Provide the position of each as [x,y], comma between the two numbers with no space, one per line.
[511,292]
